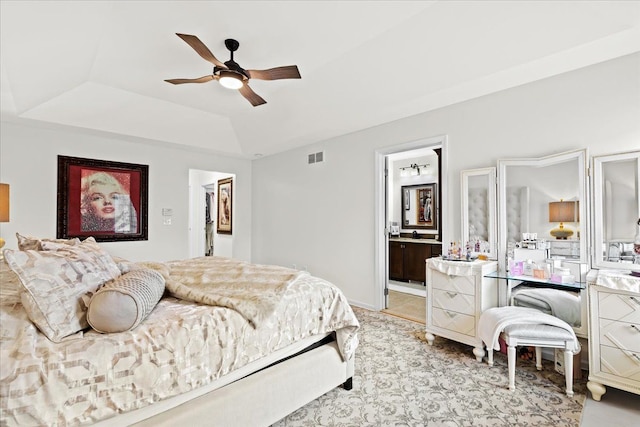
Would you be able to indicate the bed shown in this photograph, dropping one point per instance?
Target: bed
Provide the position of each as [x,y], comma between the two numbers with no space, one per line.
[197,356]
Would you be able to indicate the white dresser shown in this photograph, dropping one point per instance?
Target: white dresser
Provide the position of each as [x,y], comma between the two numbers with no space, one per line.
[457,293]
[614,333]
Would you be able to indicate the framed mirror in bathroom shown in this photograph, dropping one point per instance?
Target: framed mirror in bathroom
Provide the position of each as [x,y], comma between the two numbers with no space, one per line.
[479,221]
[420,208]
[616,203]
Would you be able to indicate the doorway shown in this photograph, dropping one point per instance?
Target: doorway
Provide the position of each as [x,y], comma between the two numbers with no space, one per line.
[405,297]
[203,208]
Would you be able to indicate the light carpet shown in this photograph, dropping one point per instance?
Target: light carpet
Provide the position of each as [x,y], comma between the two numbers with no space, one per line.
[402,381]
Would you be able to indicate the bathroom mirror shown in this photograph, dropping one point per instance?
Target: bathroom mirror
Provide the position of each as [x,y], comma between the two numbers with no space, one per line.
[479,210]
[420,206]
[616,195]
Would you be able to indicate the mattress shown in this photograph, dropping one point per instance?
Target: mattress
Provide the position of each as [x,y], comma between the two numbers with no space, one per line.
[180,348]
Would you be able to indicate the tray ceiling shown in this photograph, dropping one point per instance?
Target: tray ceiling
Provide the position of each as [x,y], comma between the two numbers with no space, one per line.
[100,66]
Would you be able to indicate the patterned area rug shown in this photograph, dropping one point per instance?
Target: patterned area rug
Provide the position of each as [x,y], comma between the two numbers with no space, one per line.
[402,381]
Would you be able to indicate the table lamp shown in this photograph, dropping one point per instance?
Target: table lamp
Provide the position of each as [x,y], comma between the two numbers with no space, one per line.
[4,207]
[562,212]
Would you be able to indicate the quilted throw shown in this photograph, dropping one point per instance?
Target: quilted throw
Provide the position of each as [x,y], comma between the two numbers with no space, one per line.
[253,290]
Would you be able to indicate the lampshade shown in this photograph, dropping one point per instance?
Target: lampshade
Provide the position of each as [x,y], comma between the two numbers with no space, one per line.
[563,212]
[4,208]
[230,79]
[4,202]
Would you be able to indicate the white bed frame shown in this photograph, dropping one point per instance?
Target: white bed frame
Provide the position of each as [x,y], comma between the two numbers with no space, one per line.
[258,394]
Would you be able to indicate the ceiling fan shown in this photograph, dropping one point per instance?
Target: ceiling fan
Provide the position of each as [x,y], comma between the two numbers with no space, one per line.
[230,74]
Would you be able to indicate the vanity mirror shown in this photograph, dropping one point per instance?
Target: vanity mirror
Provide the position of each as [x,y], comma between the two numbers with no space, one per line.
[479,209]
[420,206]
[616,196]
[530,193]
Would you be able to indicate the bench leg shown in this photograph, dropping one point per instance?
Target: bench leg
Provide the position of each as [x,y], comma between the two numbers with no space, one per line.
[568,371]
[511,357]
[539,358]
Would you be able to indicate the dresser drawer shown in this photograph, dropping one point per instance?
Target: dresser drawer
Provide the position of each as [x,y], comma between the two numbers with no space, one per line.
[619,307]
[622,335]
[454,301]
[462,284]
[457,322]
[625,364]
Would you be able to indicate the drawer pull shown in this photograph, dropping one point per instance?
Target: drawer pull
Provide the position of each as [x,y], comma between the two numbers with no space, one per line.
[635,327]
[452,294]
[450,315]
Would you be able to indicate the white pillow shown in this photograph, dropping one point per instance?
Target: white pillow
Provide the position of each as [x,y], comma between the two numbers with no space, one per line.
[57,284]
[123,303]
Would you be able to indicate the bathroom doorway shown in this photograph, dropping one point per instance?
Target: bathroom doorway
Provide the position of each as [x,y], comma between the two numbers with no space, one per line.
[421,162]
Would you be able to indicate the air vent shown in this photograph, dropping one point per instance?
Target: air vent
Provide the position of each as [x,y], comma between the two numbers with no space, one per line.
[316,157]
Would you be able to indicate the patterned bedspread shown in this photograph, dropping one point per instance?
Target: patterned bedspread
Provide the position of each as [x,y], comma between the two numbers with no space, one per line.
[181,346]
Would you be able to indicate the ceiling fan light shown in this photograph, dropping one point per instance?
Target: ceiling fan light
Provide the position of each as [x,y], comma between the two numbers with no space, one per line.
[230,80]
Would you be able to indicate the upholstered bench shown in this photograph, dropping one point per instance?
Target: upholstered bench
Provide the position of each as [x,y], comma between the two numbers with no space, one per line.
[539,336]
[522,326]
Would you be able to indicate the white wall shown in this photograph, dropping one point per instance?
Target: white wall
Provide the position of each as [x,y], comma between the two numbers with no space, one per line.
[322,215]
[28,162]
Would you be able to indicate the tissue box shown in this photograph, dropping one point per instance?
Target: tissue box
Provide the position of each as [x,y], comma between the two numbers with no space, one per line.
[568,278]
[576,269]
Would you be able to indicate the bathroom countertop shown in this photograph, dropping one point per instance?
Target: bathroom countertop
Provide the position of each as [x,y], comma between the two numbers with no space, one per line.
[411,240]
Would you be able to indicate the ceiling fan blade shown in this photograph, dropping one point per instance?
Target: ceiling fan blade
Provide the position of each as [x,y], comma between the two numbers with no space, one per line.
[251,96]
[201,49]
[286,72]
[202,79]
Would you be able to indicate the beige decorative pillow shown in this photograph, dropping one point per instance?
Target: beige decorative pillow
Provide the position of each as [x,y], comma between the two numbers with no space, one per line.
[10,286]
[26,243]
[57,285]
[123,303]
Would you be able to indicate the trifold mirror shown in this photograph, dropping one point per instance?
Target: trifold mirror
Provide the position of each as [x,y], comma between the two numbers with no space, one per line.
[545,198]
[543,216]
[616,196]
[478,189]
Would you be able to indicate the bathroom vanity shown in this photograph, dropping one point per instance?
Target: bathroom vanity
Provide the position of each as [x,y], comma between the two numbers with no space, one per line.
[407,258]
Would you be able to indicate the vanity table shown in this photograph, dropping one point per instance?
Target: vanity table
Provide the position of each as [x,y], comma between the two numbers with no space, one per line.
[510,282]
[457,293]
[614,337]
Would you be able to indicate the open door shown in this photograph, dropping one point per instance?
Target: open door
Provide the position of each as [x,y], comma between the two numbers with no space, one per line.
[386,231]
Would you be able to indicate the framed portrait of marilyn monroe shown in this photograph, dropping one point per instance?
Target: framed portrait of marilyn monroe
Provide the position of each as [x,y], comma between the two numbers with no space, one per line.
[104,199]
[225,214]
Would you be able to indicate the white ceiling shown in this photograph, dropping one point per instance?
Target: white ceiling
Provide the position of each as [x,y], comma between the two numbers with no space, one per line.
[101,65]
